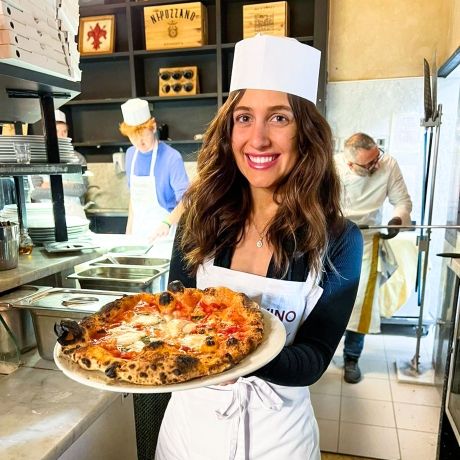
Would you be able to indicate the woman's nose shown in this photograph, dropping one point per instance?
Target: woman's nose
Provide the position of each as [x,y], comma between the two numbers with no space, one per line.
[260,136]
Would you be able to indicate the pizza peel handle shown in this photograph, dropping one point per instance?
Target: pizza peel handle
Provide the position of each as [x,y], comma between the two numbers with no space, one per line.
[272,343]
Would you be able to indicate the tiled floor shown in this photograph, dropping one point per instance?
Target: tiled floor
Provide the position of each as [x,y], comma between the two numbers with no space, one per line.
[380,417]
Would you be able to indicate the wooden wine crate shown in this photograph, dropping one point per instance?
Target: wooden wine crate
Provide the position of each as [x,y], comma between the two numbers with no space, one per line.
[182,25]
[178,81]
[266,18]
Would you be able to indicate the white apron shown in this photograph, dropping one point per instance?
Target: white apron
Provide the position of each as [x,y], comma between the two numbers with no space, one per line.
[146,211]
[362,203]
[365,317]
[250,419]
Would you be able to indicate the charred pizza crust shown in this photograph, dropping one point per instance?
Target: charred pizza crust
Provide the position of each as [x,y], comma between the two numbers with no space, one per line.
[165,338]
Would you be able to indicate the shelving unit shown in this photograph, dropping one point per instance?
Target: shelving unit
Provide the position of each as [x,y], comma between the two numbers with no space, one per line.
[132,71]
[25,97]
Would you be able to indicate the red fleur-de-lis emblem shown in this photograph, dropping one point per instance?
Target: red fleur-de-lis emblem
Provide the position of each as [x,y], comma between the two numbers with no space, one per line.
[96,33]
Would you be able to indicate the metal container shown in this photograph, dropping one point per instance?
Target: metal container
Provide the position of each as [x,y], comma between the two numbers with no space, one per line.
[122,278]
[9,246]
[18,321]
[131,260]
[52,306]
[130,250]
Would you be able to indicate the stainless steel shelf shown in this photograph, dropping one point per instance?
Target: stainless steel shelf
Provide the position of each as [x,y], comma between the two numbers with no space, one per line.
[14,169]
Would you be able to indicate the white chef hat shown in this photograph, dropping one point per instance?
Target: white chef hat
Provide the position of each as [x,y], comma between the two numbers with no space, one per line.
[276,63]
[60,116]
[135,112]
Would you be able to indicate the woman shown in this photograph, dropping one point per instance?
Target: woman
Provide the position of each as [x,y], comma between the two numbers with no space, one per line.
[263,218]
[156,174]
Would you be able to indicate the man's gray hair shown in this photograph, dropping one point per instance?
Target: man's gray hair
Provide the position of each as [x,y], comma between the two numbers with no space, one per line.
[358,141]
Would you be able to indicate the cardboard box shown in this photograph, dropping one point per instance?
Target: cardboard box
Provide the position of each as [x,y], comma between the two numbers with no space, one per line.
[182,25]
[178,81]
[15,28]
[34,46]
[11,54]
[266,18]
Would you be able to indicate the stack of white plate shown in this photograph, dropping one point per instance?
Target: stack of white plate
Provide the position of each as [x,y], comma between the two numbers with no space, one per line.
[37,149]
[40,222]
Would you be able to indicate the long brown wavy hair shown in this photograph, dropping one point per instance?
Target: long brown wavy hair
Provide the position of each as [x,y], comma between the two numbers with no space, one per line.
[218,203]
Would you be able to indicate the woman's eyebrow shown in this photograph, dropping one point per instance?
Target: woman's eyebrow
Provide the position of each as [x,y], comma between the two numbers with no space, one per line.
[271,109]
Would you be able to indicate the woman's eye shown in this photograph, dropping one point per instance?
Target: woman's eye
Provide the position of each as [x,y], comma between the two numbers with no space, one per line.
[242,118]
[279,118]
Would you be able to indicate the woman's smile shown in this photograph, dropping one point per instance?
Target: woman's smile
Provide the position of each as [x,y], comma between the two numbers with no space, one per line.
[264,161]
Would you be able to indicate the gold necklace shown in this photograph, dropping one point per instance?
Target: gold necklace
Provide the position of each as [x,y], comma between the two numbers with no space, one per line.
[260,241]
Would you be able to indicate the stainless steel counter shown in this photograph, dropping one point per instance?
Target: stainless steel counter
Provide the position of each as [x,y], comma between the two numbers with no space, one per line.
[40,264]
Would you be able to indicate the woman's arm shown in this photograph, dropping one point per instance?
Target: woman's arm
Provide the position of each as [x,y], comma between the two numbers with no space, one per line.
[177,269]
[303,362]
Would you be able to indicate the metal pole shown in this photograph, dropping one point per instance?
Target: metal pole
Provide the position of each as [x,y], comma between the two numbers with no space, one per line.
[52,151]
[416,358]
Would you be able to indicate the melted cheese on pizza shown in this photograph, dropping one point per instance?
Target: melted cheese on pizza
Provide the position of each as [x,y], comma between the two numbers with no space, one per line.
[141,330]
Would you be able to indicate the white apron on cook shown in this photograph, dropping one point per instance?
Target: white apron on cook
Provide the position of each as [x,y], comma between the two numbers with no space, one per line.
[362,204]
[146,210]
[250,419]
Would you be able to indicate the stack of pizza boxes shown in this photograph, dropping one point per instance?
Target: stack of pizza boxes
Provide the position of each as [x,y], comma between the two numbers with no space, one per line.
[68,17]
[40,36]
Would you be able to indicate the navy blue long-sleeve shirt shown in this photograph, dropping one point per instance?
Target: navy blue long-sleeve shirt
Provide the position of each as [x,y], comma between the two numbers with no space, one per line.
[303,362]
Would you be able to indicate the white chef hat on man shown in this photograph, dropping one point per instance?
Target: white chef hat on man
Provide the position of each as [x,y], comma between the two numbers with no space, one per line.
[278,64]
[135,112]
[60,116]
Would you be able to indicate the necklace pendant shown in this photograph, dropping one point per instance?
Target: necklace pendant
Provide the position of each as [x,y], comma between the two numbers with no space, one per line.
[259,243]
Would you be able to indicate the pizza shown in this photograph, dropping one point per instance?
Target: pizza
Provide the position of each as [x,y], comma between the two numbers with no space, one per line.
[164,338]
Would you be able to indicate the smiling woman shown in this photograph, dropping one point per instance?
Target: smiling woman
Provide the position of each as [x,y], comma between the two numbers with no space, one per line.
[263,217]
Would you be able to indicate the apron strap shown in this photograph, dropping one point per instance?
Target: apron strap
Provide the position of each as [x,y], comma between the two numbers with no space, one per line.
[238,406]
[366,311]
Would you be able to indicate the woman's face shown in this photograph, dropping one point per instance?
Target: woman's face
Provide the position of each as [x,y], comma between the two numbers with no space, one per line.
[143,141]
[264,137]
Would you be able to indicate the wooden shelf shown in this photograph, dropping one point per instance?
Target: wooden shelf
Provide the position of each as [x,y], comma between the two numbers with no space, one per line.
[99,144]
[183,142]
[303,39]
[180,98]
[171,51]
[106,57]
[97,101]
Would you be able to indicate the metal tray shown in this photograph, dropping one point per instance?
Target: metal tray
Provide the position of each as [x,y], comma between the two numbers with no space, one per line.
[68,246]
[131,260]
[130,250]
[122,278]
[51,306]
[19,321]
